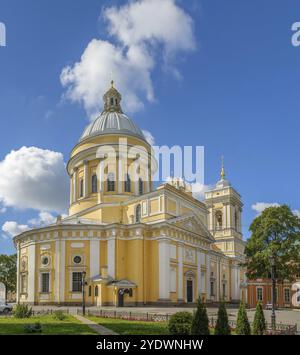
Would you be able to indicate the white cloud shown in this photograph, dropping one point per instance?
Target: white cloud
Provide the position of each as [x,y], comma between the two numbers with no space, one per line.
[149,137]
[44,218]
[297,213]
[33,178]
[259,207]
[12,228]
[199,190]
[141,32]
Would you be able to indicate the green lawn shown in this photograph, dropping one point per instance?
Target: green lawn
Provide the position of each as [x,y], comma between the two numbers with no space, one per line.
[131,327]
[50,326]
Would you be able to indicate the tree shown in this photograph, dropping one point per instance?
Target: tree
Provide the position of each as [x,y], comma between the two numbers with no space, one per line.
[222,326]
[259,324]
[243,326]
[275,235]
[8,272]
[200,324]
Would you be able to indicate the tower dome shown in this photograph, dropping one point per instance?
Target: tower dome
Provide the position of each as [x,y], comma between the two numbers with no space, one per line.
[112,120]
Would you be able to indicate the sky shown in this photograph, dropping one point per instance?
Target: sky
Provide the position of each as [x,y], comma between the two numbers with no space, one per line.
[223,75]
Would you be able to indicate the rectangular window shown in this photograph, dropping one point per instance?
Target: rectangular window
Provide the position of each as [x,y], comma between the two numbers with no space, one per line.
[287,295]
[259,294]
[23,283]
[77,282]
[45,282]
[224,290]
[212,288]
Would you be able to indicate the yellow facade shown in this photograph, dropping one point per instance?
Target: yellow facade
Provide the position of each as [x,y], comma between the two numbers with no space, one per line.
[133,245]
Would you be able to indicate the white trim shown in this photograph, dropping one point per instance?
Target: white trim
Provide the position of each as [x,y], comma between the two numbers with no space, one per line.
[62,257]
[31,273]
[164,268]
[94,258]
[111,245]
[180,272]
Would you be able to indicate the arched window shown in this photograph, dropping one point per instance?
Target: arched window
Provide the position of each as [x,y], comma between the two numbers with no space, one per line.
[138,214]
[96,291]
[81,188]
[94,184]
[90,291]
[127,183]
[111,182]
[219,220]
[141,186]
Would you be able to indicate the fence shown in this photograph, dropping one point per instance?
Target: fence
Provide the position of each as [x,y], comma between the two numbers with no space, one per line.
[283,329]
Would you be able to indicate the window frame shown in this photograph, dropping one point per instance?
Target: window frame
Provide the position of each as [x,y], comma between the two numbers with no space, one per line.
[45,284]
[77,284]
[262,294]
[111,182]
[94,184]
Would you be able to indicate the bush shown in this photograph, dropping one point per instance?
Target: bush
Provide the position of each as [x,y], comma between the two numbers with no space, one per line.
[59,315]
[180,323]
[243,326]
[22,311]
[33,328]
[259,324]
[222,326]
[200,324]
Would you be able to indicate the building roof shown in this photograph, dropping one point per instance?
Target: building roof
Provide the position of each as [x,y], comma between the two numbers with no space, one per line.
[112,120]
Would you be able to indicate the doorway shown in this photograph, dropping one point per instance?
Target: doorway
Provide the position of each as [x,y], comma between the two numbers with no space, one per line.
[121,298]
[189,291]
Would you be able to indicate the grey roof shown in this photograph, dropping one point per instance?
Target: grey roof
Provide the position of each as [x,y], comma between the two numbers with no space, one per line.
[112,123]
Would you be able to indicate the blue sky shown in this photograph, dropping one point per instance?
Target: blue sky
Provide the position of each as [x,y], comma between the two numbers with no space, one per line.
[237,95]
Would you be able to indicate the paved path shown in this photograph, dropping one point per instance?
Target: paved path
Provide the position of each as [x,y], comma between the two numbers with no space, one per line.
[93,325]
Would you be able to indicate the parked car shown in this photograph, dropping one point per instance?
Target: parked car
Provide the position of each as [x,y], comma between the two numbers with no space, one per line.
[5,308]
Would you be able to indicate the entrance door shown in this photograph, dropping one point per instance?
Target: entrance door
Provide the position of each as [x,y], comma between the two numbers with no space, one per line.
[121,298]
[189,291]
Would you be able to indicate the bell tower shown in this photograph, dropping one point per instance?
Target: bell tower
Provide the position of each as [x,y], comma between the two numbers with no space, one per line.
[224,219]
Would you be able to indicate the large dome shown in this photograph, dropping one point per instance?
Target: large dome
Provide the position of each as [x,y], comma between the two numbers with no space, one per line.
[112,120]
[112,123]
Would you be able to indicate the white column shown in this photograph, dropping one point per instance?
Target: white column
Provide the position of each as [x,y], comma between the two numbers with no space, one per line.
[120,181]
[111,254]
[18,273]
[94,258]
[228,216]
[218,279]
[86,179]
[62,270]
[200,258]
[75,185]
[71,189]
[31,273]
[164,269]
[180,272]
[235,284]
[224,216]
[57,271]
[136,178]
[100,174]
[208,295]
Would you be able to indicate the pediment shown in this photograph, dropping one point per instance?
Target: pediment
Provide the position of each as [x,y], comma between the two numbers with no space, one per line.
[192,223]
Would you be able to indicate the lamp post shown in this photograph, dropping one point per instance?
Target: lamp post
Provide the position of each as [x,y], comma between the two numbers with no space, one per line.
[83,292]
[273,316]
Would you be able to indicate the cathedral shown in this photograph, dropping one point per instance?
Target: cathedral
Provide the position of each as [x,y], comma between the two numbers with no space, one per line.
[126,243]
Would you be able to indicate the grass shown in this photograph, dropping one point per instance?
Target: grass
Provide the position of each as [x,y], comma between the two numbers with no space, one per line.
[132,327]
[50,326]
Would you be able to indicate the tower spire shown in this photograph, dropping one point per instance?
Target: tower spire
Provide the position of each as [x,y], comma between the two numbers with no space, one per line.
[223,169]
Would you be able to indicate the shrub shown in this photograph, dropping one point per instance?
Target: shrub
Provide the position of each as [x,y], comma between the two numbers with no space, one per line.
[259,324]
[243,326]
[222,326]
[22,311]
[200,324]
[180,323]
[33,328]
[59,315]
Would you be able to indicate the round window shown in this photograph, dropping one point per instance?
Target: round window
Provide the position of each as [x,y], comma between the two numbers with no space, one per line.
[77,259]
[45,260]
